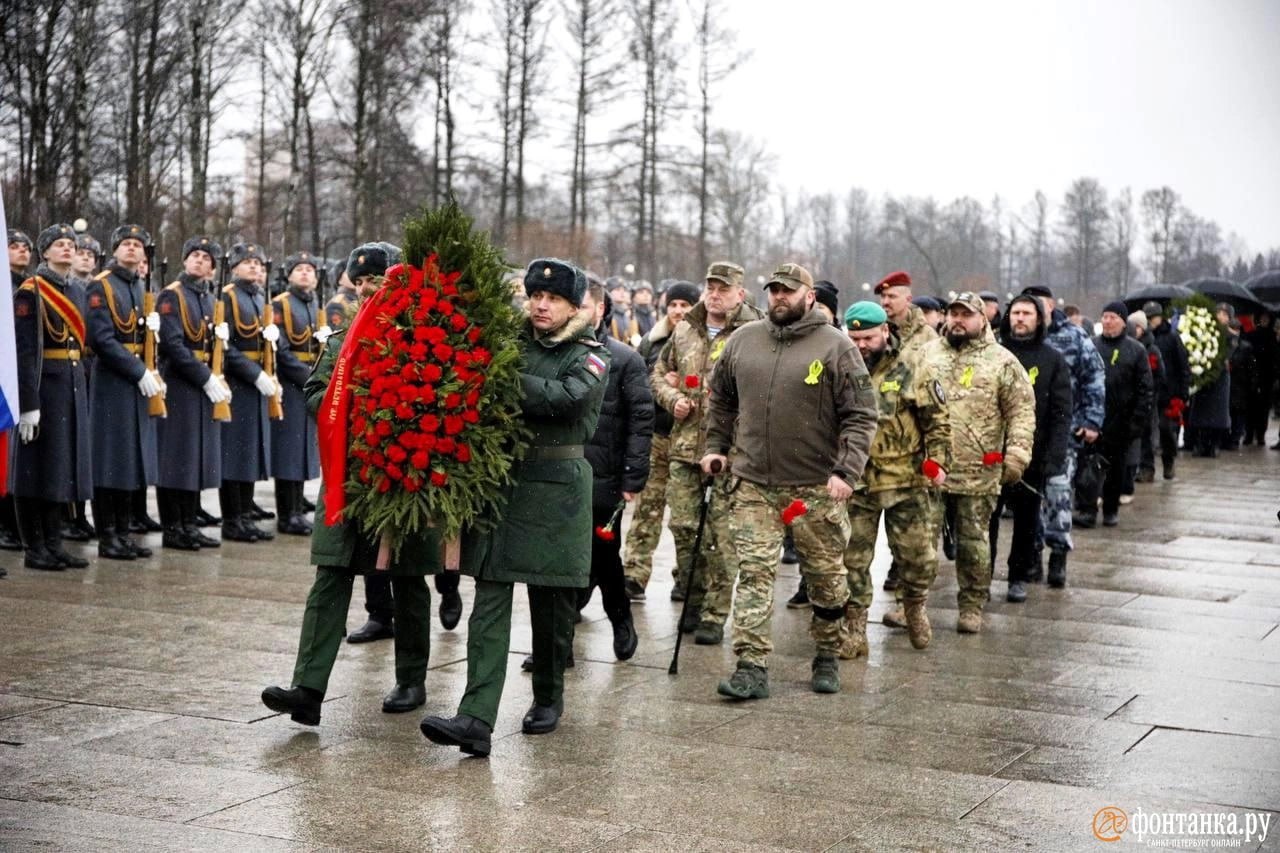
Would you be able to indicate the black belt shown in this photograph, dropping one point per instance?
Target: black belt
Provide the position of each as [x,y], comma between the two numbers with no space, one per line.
[562,451]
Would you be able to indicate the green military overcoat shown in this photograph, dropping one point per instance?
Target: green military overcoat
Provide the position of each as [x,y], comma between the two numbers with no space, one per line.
[544,535]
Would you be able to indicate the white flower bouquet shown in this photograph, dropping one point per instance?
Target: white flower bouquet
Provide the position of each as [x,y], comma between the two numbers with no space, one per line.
[1204,338]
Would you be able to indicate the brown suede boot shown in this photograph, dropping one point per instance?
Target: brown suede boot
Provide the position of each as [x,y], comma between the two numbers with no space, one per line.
[918,628]
[897,617]
[970,622]
[853,633]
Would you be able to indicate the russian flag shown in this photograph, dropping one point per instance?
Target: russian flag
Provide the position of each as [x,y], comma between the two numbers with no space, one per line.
[8,362]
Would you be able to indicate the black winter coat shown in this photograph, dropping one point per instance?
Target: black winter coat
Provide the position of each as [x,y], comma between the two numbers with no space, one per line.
[650,348]
[1177,369]
[1051,380]
[1159,374]
[1244,373]
[1129,393]
[619,449]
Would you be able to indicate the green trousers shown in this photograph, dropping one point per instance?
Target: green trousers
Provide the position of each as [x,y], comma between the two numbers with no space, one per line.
[551,611]
[326,618]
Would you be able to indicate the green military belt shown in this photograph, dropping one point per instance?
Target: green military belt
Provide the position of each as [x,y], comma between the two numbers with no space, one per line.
[562,451]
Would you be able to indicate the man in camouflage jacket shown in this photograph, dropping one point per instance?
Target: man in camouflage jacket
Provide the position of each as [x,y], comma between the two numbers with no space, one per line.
[993,423]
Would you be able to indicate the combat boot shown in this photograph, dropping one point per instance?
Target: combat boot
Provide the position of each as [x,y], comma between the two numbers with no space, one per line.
[891,581]
[800,599]
[853,633]
[469,734]
[918,628]
[970,622]
[826,675]
[302,704]
[1058,568]
[897,617]
[709,634]
[747,682]
[1168,467]
[789,555]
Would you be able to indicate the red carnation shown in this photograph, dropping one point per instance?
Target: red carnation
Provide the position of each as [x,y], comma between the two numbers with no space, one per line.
[427,394]
[439,478]
[431,372]
[384,485]
[404,411]
[409,372]
[474,335]
[992,457]
[453,424]
[481,356]
[445,445]
[407,393]
[383,428]
[411,484]
[370,437]
[930,469]
[471,416]
[691,381]
[429,423]
[602,533]
[421,460]
[422,333]
[442,352]
[463,453]
[409,439]
[458,322]
[435,335]
[473,399]
[358,424]
[396,453]
[445,307]
[452,401]
[794,510]
[394,472]
[428,443]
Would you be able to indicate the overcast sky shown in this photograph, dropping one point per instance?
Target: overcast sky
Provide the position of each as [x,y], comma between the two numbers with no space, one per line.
[974,98]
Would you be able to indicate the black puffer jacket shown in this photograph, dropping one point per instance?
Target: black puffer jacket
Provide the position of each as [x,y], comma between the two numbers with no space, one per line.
[619,450]
[650,348]
[1177,369]
[1129,394]
[1051,381]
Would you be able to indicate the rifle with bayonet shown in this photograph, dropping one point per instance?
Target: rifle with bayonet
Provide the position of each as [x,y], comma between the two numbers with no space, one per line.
[151,336]
[221,411]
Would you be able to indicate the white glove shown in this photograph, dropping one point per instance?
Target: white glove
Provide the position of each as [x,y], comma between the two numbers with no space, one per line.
[153,321]
[322,334]
[222,332]
[265,384]
[27,423]
[271,333]
[149,384]
[215,390]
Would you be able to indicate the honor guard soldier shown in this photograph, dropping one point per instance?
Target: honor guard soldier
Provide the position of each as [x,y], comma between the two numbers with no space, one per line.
[246,438]
[339,310]
[51,465]
[83,268]
[190,439]
[295,454]
[19,260]
[122,434]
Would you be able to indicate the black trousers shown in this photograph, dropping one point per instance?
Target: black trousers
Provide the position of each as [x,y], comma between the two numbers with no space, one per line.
[1024,499]
[39,523]
[112,511]
[606,571]
[1168,439]
[234,499]
[288,498]
[177,507]
[379,601]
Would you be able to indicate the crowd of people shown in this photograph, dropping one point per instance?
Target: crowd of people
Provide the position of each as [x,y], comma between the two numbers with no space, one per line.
[787,431]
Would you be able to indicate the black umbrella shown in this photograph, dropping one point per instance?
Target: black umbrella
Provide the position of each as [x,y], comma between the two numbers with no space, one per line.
[1223,290]
[1265,286]
[1162,293]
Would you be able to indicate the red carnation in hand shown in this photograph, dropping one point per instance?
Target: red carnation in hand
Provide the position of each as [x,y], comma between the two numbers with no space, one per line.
[439,478]
[992,457]
[794,510]
[691,381]
[602,533]
[930,469]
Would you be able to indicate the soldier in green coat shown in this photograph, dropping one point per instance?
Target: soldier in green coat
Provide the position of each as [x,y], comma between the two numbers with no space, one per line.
[544,537]
[340,552]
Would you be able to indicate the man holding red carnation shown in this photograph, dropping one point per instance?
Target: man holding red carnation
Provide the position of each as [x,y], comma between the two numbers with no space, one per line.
[792,398]
[993,424]
[543,539]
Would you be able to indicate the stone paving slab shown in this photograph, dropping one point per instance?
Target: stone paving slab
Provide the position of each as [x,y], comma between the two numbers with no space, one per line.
[130,718]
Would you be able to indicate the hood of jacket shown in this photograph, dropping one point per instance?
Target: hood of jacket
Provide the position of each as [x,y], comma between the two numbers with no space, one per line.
[1042,327]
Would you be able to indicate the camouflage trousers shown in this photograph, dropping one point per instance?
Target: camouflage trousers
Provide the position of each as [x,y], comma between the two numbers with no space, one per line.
[1055,508]
[973,549]
[821,534]
[646,519]
[711,592]
[910,524]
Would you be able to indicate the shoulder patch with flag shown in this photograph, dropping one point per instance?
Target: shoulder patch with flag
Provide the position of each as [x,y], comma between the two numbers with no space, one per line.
[596,364]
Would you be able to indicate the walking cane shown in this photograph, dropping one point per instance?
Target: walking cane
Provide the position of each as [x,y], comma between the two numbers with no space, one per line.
[707,485]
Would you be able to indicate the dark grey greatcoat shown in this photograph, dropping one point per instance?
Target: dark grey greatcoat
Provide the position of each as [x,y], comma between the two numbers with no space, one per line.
[55,466]
[246,438]
[190,439]
[122,432]
[294,453]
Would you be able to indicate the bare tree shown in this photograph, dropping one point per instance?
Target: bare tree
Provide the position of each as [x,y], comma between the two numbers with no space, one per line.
[1160,212]
[1083,225]
[1122,237]
[916,221]
[717,59]
[739,189]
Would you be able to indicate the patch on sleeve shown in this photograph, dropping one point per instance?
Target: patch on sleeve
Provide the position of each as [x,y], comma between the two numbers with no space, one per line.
[938,393]
[95,300]
[22,308]
[596,364]
[166,307]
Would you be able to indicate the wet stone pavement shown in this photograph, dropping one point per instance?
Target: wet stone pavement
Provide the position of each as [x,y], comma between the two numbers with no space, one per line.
[130,718]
